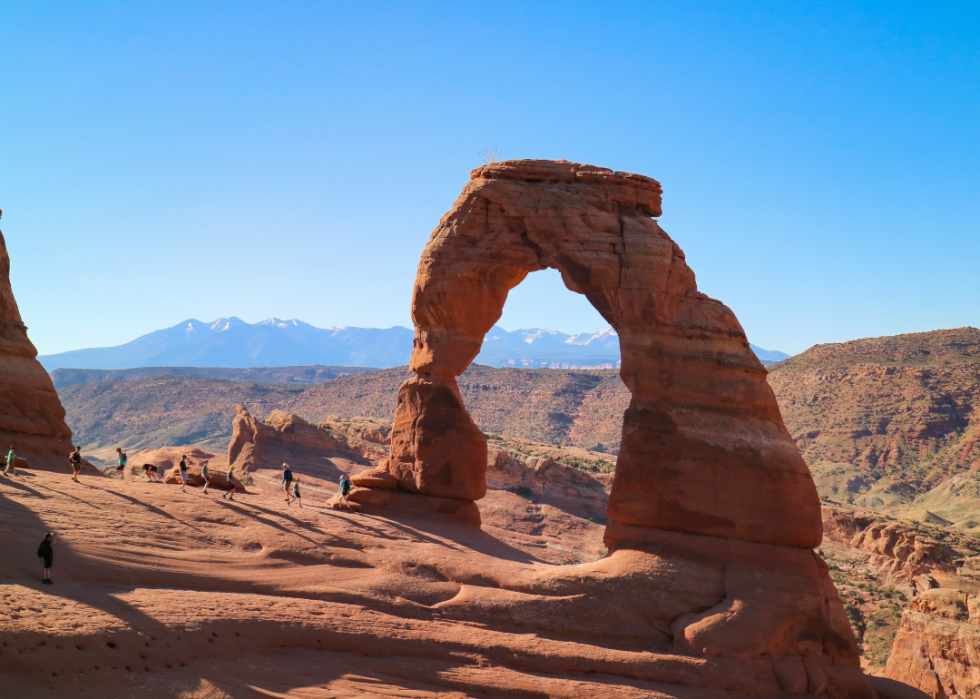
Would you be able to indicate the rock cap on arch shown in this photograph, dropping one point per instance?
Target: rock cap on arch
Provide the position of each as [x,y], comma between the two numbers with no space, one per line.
[626,187]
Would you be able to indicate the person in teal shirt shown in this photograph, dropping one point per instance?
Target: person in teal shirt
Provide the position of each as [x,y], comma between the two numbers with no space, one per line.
[11,459]
[121,465]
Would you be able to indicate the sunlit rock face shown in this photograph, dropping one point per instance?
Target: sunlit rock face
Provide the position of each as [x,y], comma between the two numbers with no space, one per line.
[32,419]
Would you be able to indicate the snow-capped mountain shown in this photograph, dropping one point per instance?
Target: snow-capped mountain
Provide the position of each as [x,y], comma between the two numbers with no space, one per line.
[233,343]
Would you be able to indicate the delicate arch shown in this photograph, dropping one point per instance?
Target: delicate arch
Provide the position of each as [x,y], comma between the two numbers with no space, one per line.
[704,447]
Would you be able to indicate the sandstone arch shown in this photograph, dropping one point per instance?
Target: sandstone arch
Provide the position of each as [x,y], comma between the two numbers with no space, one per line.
[704,447]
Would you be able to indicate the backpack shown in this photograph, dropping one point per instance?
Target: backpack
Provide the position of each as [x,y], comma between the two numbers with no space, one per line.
[40,550]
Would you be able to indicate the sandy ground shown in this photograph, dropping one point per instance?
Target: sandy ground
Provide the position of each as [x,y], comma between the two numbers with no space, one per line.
[163,594]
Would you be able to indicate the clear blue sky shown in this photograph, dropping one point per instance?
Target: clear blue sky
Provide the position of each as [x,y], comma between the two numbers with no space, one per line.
[167,160]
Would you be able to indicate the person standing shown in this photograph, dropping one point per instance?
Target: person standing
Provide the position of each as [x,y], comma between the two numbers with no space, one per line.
[206,476]
[11,469]
[46,551]
[231,484]
[344,490]
[121,462]
[183,472]
[76,463]
[287,480]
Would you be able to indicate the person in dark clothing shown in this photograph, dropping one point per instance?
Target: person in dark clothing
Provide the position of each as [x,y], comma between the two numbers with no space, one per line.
[230,494]
[46,552]
[287,480]
[76,463]
[183,472]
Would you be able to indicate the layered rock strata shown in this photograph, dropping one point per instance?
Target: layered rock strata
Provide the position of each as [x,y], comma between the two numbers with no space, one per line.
[319,451]
[704,448]
[713,513]
[32,419]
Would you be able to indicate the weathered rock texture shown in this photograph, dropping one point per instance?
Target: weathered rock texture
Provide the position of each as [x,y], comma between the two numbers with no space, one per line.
[937,648]
[321,451]
[31,416]
[713,512]
[704,449]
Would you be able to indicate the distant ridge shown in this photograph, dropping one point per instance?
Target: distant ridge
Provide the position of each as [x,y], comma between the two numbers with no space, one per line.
[233,343]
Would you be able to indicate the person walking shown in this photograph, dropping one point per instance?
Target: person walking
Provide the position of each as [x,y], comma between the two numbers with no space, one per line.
[205,475]
[345,490]
[287,480]
[296,495]
[46,552]
[76,463]
[231,484]
[121,462]
[11,469]
[183,472]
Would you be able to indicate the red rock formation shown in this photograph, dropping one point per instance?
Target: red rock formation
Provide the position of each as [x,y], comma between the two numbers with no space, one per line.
[937,648]
[31,416]
[704,448]
[313,450]
[713,512]
[895,547]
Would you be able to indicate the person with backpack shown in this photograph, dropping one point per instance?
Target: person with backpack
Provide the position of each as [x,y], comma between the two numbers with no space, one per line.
[206,476]
[121,462]
[76,463]
[11,469]
[183,472]
[231,484]
[287,480]
[345,490]
[46,551]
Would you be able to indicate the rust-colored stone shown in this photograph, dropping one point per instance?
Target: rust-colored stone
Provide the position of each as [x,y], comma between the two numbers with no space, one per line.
[704,447]
[32,419]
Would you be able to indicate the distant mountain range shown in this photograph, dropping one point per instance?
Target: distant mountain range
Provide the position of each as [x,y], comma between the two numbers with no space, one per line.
[233,343]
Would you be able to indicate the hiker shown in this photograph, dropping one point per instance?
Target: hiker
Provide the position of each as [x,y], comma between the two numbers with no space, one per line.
[231,484]
[183,472]
[121,465]
[205,475]
[46,551]
[11,470]
[287,480]
[76,463]
[150,471]
[296,495]
[344,490]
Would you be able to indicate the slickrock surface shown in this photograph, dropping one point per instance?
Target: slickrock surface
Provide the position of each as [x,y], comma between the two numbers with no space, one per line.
[704,449]
[31,416]
[158,593]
